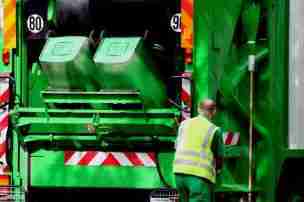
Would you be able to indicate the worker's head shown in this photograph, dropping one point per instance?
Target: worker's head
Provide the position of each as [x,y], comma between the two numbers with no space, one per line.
[207,108]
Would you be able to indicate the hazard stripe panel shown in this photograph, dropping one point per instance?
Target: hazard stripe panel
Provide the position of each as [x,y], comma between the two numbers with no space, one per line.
[97,158]
[9,29]
[231,139]
[186,95]
[4,121]
[187,24]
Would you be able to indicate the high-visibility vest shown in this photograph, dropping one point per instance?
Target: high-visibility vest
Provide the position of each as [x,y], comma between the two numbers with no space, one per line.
[193,150]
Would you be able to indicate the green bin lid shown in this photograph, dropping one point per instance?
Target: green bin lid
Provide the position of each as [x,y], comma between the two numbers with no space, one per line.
[116,50]
[62,49]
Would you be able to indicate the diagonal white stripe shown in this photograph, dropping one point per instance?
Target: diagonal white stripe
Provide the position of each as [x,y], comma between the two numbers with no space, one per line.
[4,80]
[98,159]
[3,87]
[3,135]
[122,159]
[75,158]
[186,86]
[4,109]
[3,116]
[3,160]
[225,137]
[3,164]
[235,139]
[147,161]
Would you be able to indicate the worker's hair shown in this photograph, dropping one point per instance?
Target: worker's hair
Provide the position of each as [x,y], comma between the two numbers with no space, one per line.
[206,105]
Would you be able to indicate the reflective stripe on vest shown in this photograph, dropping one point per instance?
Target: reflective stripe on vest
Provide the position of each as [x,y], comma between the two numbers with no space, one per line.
[195,164]
[208,136]
[191,153]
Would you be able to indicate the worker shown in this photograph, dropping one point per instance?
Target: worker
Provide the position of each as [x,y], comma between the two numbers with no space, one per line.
[198,142]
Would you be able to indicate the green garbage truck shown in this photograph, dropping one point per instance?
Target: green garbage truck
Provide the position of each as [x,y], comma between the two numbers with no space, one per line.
[93,92]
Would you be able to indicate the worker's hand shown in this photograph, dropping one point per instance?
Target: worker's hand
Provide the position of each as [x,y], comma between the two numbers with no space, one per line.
[218,171]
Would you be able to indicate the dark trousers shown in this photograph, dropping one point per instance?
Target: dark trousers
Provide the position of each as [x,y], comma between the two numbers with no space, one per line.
[194,189]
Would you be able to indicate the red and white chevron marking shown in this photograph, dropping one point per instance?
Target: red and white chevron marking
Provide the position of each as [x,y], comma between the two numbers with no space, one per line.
[4,91]
[5,194]
[186,95]
[97,158]
[231,139]
[4,116]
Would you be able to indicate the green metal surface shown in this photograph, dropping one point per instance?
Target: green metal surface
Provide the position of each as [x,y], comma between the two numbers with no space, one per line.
[222,54]
[58,130]
[100,97]
[233,152]
[125,63]
[93,176]
[41,133]
[68,64]
[137,122]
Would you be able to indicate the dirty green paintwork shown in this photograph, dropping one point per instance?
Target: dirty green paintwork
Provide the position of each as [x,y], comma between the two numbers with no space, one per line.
[68,65]
[100,97]
[56,130]
[219,71]
[135,122]
[223,54]
[125,63]
[94,176]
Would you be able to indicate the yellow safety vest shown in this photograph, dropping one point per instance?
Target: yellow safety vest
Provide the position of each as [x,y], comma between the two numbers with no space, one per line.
[193,150]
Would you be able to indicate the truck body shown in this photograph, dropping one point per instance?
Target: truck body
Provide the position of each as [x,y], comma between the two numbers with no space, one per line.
[97,90]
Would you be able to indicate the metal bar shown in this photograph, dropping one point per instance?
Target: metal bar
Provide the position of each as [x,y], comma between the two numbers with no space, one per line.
[250,176]
[101,92]
[53,138]
[120,123]
[104,121]
[138,122]
[102,97]
[172,112]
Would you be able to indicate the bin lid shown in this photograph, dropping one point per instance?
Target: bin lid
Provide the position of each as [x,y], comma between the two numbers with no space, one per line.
[116,50]
[62,49]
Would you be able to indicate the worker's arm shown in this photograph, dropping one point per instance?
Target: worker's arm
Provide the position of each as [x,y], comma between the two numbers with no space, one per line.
[218,148]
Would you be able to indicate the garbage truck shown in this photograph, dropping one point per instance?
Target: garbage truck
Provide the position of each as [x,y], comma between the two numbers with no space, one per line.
[92,93]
